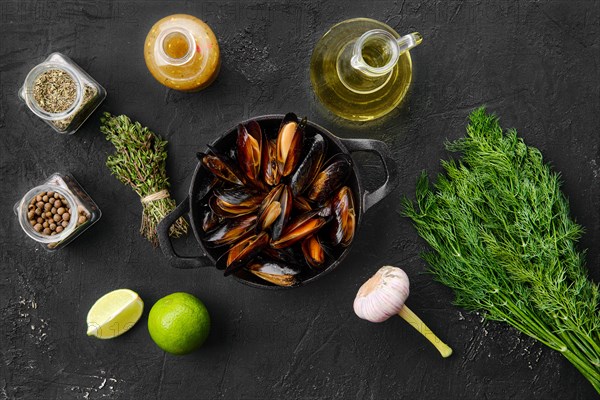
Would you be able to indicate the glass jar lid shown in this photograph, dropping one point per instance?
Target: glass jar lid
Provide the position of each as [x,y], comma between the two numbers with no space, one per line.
[29,88]
[28,228]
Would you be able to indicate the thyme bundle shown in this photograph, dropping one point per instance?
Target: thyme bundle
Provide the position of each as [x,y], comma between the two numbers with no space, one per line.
[139,161]
[503,240]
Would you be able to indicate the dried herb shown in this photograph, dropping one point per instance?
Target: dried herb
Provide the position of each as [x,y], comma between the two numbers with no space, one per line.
[89,93]
[503,240]
[55,91]
[139,161]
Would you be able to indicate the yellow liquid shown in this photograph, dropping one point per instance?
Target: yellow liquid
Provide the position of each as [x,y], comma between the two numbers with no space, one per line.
[338,98]
[202,68]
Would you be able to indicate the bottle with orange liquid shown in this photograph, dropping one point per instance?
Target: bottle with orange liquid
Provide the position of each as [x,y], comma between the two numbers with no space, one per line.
[182,53]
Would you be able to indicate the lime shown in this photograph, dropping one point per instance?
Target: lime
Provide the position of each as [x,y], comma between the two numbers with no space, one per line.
[179,323]
[114,314]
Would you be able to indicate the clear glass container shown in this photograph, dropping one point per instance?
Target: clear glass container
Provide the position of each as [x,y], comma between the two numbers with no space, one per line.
[182,53]
[89,94]
[361,69]
[88,212]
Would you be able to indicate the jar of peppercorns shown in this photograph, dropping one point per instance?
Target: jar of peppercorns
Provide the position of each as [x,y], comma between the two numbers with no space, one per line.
[57,211]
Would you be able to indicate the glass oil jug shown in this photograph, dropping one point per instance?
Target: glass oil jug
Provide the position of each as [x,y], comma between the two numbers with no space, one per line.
[361,68]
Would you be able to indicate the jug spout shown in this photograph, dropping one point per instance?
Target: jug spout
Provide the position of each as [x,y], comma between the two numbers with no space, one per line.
[377,51]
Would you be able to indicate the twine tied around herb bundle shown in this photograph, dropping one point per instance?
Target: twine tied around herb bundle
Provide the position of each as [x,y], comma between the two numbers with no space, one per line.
[161,194]
[140,162]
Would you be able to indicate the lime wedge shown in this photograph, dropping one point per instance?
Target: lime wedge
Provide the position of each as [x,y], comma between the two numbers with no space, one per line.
[114,314]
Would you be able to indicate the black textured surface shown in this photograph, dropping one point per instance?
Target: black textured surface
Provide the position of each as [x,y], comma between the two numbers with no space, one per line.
[534,63]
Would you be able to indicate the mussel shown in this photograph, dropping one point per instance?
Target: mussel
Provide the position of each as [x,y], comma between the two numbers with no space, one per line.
[270,169]
[210,220]
[301,204]
[310,166]
[331,178]
[313,251]
[289,143]
[298,229]
[287,255]
[231,230]
[221,167]
[275,210]
[234,202]
[244,251]
[344,220]
[249,150]
[242,197]
[274,272]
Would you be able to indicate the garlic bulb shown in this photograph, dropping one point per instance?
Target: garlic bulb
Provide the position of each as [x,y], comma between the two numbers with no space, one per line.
[383,295]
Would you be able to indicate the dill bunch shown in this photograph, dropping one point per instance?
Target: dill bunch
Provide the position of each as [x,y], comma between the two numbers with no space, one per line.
[139,161]
[503,240]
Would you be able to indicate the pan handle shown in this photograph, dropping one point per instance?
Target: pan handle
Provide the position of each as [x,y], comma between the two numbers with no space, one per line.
[166,246]
[389,165]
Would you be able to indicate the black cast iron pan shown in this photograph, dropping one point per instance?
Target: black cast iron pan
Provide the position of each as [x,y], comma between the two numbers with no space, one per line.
[192,207]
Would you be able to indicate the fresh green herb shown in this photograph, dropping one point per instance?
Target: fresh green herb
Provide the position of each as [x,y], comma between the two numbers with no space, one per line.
[503,240]
[139,161]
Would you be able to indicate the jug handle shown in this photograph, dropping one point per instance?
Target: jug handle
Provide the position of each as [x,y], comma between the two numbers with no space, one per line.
[409,41]
[398,46]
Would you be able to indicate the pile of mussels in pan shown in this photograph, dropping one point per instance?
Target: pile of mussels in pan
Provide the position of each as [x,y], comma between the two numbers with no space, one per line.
[276,206]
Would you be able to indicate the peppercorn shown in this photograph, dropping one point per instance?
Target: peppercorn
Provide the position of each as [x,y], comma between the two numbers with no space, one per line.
[48,211]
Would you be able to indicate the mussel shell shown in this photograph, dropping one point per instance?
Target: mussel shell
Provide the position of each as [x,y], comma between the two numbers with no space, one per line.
[286,201]
[326,210]
[244,251]
[287,255]
[298,229]
[269,216]
[222,167]
[239,196]
[274,272]
[290,140]
[270,169]
[272,196]
[227,210]
[210,220]
[249,149]
[302,204]
[331,178]
[204,185]
[344,217]
[313,251]
[230,231]
[309,167]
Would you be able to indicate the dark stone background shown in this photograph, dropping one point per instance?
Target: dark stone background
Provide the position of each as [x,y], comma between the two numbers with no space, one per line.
[536,64]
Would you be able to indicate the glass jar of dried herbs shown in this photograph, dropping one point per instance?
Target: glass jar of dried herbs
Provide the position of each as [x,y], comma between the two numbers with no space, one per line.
[61,93]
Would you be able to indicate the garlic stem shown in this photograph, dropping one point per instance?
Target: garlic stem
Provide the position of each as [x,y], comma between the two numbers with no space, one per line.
[416,322]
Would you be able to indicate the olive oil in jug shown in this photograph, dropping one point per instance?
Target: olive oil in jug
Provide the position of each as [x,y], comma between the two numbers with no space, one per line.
[361,68]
